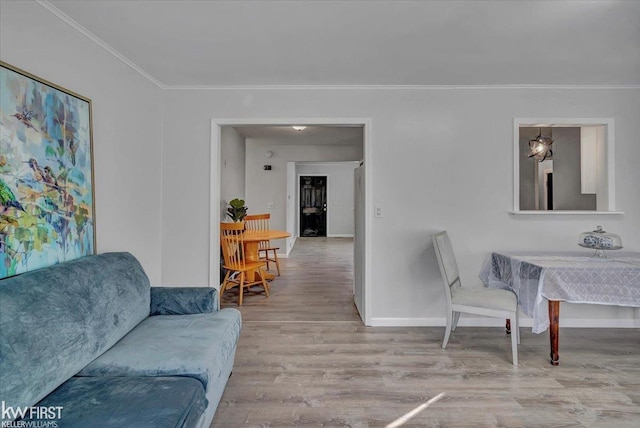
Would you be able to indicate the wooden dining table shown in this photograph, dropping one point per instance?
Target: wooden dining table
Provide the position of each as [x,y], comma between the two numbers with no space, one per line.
[251,241]
[542,280]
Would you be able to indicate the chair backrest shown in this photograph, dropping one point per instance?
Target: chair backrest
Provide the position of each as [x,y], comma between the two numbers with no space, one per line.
[232,248]
[259,222]
[446,262]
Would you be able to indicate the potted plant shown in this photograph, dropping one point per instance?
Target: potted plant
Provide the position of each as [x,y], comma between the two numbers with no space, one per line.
[236,210]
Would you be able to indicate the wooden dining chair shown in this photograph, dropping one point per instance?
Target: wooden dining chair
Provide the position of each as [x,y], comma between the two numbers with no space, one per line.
[235,263]
[266,252]
[478,301]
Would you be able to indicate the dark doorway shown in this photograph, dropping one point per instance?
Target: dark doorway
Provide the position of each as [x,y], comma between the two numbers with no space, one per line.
[549,191]
[313,205]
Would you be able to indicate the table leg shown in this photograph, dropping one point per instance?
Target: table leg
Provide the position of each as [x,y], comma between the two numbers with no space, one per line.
[251,253]
[554,330]
[508,326]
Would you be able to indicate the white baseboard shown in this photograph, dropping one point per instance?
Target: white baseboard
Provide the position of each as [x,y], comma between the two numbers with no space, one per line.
[438,322]
[285,255]
[495,322]
[599,323]
[406,322]
[340,235]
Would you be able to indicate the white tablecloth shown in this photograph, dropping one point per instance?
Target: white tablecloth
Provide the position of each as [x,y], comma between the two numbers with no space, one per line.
[570,277]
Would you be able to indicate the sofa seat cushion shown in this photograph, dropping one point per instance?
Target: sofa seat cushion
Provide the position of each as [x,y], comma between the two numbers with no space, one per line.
[195,345]
[135,401]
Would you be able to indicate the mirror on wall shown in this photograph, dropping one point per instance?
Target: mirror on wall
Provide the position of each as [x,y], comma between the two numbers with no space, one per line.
[563,165]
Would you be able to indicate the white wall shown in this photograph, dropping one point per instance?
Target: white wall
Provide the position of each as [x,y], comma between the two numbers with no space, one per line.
[265,187]
[232,177]
[602,199]
[428,174]
[339,194]
[127,124]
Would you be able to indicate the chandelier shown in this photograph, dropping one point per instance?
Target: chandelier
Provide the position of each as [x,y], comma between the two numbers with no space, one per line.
[540,147]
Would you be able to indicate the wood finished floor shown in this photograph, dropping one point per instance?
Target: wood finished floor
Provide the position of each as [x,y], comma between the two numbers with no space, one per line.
[305,359]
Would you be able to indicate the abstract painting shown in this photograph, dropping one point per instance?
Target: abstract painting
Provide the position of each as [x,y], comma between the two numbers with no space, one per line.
[46,174]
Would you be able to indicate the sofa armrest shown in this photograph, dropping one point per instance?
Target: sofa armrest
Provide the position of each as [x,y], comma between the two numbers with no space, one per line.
[183,300]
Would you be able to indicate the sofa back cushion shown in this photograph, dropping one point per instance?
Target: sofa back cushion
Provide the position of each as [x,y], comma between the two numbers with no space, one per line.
[56,320]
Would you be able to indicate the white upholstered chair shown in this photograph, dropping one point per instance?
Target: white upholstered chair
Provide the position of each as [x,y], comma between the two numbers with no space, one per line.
[479,301]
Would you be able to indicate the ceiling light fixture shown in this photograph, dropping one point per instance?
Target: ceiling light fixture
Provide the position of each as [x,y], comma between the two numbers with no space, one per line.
[541,147]
[299,127]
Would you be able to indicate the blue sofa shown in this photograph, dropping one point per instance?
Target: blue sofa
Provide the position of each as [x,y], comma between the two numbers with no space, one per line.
[88,343]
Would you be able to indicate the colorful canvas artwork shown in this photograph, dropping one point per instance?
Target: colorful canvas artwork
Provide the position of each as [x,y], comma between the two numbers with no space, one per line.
[46,174]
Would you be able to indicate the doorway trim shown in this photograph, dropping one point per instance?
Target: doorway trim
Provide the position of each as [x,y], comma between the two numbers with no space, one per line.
[215,177]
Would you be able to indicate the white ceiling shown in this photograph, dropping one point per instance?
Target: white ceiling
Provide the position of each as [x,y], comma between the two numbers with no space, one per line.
[332,135]
[246,43]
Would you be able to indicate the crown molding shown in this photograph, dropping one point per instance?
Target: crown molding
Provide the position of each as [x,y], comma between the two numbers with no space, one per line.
[393,87]
[97,40]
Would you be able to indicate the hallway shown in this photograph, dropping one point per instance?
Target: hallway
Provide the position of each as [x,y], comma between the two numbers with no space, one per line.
[315,285]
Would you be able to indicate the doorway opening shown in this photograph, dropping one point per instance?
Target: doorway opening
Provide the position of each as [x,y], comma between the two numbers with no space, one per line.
[313,205]
[274,199]
[548,180]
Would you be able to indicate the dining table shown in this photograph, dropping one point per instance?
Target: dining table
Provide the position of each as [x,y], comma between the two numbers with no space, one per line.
[541,280]
[251,242]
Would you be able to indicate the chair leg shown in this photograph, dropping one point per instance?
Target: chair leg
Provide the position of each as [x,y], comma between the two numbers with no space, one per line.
[517,326]
[264,258]
[456,317]
[241,286]
[265,285]
[447,331]
[275,259]
[223,287]
[514,339]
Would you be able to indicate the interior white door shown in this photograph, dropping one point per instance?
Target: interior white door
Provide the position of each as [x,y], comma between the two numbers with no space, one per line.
[292,206]
[359,240]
